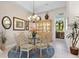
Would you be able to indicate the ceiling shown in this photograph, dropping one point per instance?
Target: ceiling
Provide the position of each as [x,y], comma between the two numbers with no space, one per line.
[41,6]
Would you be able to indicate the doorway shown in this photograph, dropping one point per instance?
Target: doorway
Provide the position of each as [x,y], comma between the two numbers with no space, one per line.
[59,26]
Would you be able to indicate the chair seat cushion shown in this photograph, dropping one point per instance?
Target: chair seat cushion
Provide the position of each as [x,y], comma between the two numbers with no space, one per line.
[41,45]
[27,47]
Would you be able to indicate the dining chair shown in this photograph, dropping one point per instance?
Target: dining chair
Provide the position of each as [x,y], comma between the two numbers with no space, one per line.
[43,44]
[31,41]
[22,42]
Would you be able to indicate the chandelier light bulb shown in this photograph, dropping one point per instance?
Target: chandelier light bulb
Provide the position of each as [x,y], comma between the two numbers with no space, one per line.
[35,16]
[38,18]
[29,18]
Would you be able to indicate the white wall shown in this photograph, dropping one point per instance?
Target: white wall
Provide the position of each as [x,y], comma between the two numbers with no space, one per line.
[12,9]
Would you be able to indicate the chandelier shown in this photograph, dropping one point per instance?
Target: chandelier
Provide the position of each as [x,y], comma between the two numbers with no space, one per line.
[34,17]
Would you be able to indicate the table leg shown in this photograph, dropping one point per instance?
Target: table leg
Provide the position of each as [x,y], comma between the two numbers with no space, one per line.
[40,53]
[27,54]
[20,54]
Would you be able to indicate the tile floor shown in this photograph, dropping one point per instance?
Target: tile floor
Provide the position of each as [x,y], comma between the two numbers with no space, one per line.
[60,50]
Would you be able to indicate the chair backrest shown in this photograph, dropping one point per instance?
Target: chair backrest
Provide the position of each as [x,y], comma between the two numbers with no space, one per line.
[21,39]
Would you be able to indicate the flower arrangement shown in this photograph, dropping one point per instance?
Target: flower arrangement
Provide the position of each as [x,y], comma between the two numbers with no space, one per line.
[34,32]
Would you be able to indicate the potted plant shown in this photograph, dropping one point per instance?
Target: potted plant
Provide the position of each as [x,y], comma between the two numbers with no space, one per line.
[74,36]
[3,39]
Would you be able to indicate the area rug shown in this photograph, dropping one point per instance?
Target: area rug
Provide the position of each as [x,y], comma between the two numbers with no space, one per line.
[46,53]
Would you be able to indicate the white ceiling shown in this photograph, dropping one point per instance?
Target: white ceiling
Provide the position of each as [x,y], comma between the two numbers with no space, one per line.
[41,6]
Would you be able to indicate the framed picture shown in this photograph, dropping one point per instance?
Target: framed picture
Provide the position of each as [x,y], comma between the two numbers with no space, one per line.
[18,24]
[27,25]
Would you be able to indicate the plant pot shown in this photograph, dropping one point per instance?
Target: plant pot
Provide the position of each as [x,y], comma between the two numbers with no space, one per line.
[74,50]
[3,47]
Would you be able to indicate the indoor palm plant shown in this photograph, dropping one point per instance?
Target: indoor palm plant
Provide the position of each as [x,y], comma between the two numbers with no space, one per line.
[74,36]
[3,41]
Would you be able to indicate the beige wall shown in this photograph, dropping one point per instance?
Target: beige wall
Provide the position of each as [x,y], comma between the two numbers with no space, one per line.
[12,9]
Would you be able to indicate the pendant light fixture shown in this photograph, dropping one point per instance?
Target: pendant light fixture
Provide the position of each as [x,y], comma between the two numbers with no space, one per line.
[46,15]
[34,17]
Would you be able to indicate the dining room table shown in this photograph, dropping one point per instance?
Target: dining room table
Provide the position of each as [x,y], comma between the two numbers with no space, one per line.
[36,42]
